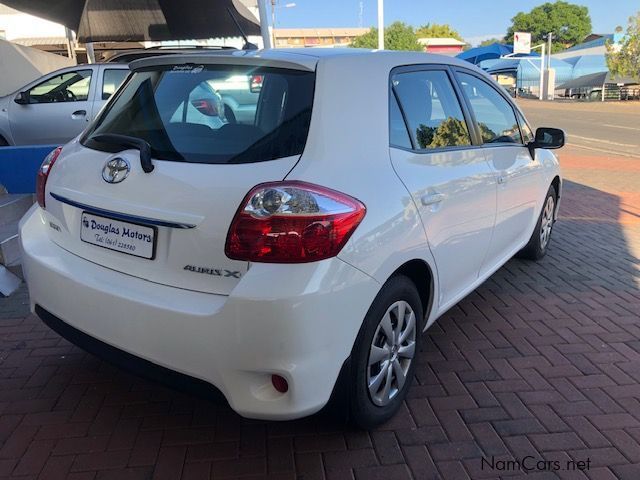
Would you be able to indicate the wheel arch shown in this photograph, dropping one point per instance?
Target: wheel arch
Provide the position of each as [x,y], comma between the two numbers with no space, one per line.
[556,183]
[422,276]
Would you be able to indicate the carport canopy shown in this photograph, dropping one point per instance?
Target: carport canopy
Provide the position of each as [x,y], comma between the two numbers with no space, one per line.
[597,80]
[489,52]
[144,20]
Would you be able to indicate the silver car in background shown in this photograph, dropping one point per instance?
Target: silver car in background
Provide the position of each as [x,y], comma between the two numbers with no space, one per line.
[58,106]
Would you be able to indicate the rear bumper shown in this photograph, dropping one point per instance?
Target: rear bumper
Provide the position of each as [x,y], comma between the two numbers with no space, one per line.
[298,321]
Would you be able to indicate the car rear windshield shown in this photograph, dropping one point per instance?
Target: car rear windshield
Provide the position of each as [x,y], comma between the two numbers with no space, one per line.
[211,114]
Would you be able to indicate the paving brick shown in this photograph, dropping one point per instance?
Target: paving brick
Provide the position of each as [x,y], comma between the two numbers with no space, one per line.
[34,458]
[610,421]
[518,427]
[170,463]
[556,441]
[100,461]
[386,446]
[350,459]
[420,463]
[212,451]
[76,445]
[383,472]
[455,450]
[543,360]
[309,466]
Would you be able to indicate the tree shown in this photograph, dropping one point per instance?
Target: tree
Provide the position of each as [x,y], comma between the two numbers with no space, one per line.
[450,132]
[624,59]
[491,41]
[397,36]
[568,22]
[435,30]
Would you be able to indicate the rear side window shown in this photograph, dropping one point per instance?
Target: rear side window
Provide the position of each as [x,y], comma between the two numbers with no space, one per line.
[111,80]
[398,135]
[431,108]
[494,115]
[192,114]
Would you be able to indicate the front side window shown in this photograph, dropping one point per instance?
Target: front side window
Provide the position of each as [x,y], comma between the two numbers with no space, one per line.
[66,87]
[527,134]
[183,116]
[111,80]
[431,108]
[494,115]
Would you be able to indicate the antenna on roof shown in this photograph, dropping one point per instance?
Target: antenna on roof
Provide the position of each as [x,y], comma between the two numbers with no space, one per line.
[247,44]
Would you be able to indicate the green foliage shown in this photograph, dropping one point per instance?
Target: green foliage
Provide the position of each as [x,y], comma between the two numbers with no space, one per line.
[397,36]
[491,41]
[625,60]
[488,135]
[569,23]
[450,132]
[435,30]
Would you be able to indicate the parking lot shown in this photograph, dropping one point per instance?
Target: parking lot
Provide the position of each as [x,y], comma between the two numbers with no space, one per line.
[539,365]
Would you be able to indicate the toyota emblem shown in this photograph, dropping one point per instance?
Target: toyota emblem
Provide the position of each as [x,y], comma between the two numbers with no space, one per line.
[115,170]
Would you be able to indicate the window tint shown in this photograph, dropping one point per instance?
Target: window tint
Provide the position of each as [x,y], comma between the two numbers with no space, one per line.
[527,134]
[180,113]
[398,135]
[111,80]
[495,117]
[432,110]
[66,87]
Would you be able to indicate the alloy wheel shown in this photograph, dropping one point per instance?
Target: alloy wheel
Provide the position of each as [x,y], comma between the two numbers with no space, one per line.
[546,223]
[391,353]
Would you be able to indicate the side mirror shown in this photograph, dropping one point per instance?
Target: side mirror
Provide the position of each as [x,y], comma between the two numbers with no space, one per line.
[546,137]
[22,98]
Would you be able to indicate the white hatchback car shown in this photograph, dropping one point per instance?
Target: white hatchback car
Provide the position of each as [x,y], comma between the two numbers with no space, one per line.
[302,249]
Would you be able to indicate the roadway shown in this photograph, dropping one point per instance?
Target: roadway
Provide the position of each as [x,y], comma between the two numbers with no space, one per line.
[607,128]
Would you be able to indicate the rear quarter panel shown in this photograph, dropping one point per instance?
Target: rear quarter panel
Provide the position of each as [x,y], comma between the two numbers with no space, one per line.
[348,150]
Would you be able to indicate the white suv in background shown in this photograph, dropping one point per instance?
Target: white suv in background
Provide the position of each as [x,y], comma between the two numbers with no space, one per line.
[299,253]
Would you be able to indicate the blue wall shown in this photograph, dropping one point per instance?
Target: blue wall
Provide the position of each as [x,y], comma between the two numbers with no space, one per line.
[19,166]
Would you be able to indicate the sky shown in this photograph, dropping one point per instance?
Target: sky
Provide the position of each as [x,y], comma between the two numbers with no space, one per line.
[476,20]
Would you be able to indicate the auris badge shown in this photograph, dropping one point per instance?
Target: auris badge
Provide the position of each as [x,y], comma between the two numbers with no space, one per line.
[115,170]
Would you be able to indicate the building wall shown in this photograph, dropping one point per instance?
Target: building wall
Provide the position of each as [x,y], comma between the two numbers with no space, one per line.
[14,24]
[316,37]
[444,49]
[19,65]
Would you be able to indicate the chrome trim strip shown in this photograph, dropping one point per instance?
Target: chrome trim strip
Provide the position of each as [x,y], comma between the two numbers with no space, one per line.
[121,216]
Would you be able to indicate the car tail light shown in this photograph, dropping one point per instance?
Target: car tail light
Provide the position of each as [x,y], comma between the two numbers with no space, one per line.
[43,174]
[292,222]
[256,83]
[206,107]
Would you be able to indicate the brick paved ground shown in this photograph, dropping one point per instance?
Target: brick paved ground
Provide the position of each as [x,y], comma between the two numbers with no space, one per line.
[541,361]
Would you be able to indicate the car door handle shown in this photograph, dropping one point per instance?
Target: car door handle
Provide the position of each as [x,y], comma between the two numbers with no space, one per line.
[432,199]
[78,113]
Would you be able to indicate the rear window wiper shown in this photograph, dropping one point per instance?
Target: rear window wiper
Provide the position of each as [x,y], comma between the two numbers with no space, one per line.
[126,141]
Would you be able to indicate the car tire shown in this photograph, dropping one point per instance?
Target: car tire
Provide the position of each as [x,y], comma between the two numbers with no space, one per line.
[371,402]
[538,244]
[229,114]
